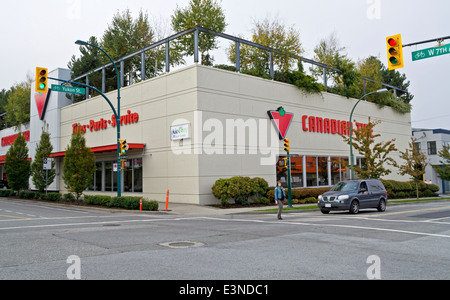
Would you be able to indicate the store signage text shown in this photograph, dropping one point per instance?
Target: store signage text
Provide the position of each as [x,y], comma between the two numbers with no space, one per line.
[9,140]
[102,124]
[328,126]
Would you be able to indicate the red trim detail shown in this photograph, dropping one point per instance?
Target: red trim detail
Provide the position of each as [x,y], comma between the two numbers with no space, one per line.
[110,148]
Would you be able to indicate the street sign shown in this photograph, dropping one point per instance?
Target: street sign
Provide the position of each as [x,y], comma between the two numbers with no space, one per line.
[430,52]
[48,163]
[69,90]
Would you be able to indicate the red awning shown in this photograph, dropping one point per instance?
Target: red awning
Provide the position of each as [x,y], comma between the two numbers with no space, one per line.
[3,157]
[102,149]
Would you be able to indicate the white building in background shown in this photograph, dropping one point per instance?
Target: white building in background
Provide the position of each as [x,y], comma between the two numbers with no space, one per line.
[430,142]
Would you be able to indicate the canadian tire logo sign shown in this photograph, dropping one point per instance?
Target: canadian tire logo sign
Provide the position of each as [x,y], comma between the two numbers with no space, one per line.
[282,121]
[42,102]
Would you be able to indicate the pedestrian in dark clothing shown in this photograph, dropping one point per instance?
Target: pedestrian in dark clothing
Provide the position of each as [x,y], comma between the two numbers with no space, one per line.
[280,196]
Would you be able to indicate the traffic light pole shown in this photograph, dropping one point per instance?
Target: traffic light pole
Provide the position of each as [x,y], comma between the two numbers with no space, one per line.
[289,180]
[119,191]
[119,177]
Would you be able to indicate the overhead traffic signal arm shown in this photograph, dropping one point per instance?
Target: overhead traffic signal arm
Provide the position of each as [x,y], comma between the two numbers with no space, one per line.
[395,52]
[41,80]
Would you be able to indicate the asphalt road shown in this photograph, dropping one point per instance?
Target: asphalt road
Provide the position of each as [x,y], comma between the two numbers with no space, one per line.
[39,241]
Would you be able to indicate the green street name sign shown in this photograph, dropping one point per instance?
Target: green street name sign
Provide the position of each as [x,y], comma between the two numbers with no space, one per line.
[431,52]
[69,90]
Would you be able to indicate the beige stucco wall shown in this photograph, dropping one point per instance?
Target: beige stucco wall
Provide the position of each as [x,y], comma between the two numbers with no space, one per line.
[203,97]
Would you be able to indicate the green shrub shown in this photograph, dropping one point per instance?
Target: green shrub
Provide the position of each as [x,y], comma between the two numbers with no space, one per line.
[6,193]
[69,197]
[133,203]
[97,200]
[240,189]
[399,189]
[301,194]
[51,197]
[28,195]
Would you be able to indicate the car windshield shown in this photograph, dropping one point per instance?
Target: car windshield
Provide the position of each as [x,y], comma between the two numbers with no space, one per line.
[345,187]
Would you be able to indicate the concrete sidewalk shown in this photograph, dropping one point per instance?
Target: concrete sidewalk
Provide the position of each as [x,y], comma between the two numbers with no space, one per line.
[191,209]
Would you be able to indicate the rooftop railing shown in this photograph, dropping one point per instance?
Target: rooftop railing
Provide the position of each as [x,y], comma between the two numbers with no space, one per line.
[195,33]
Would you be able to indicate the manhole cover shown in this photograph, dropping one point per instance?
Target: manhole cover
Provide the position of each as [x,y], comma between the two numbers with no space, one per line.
[182,245]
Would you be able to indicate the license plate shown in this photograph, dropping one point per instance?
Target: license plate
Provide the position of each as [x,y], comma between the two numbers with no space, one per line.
[328,205]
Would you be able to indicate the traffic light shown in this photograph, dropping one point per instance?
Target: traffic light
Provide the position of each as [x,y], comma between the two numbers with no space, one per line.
[287,146]
[41,80]
[395,52]
[123,147]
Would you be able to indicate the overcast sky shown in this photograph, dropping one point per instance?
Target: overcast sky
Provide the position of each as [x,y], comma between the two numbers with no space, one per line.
[42,33]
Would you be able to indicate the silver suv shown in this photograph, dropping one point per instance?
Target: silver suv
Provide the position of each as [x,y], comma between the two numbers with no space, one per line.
[354,195]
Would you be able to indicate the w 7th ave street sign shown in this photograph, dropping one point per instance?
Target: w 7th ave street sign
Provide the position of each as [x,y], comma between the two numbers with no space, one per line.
[69,90]
[431,52]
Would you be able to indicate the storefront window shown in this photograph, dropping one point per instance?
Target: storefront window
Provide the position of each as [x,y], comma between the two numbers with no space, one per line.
[109,176]
[322,170]
[311,171]
[137,176]
[105,179]
[297,171]
[97,183]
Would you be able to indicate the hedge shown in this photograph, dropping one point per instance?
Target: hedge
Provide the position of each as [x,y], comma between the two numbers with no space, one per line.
[240,189]
[126,202]
[107,201]
[301,194]
[399,189]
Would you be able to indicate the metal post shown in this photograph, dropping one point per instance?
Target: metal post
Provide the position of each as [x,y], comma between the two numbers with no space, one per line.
[196,60]
[122,71]
[167,57]
[87,89]
[325,79]
[103,80]
[289,180]
[238,57]
[143,66]
[272,73]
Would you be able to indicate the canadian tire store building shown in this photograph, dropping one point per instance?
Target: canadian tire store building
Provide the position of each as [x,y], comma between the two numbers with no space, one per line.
[190,127]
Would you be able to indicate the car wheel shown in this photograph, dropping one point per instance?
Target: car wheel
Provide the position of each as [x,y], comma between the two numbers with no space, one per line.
[325,211]
[382,206]
[354,207]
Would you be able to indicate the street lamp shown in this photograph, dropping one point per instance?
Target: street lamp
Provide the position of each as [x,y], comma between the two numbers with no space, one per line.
[119,181]
[351,130]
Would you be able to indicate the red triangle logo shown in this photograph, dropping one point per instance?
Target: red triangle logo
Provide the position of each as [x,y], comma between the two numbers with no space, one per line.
[41,103]
[282,121]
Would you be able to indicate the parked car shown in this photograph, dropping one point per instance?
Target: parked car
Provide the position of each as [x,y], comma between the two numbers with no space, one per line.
[354,195]
[4,184]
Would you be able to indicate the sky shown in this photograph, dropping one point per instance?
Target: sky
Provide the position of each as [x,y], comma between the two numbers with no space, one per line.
[42,33]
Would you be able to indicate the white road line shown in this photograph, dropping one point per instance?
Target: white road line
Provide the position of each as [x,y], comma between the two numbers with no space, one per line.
[233,220]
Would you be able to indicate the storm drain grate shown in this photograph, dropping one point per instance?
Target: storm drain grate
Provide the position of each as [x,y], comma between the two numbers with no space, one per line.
[182,245]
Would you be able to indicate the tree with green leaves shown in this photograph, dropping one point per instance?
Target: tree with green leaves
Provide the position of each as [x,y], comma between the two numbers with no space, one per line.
[274,34]
[206,13]
[43,150]
[376,153]
[443,170]
[18,104]
[79,165]
[415,164]
[17,164]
